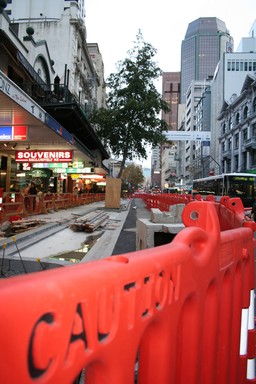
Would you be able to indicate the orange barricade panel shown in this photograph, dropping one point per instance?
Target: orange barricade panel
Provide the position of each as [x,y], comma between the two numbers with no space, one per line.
[174,314]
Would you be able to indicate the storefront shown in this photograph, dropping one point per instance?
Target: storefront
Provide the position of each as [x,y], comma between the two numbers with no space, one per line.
[31,138]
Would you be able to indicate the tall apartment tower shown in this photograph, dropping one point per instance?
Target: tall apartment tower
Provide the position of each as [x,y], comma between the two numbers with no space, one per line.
[206,39]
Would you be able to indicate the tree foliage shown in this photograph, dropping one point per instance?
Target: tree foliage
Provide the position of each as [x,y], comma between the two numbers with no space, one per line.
[133,176]
[131,120]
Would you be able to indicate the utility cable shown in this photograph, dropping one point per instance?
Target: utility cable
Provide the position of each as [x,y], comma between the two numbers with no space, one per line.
[14,240]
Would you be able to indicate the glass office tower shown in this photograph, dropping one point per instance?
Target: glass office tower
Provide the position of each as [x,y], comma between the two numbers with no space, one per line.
[205,41]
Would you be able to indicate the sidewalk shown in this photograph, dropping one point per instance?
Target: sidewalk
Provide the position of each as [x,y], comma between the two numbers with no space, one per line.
[55,237]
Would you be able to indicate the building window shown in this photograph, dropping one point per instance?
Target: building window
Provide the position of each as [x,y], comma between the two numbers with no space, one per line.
[254,130]
[228,164]
[236,140]
[224,129]
[244,160]
[237,118]
[254,158]
[230,124]
[236,161]
[254,105]
[245,112]
[245,134]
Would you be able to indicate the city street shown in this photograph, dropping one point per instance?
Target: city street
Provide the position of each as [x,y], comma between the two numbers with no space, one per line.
[56,243]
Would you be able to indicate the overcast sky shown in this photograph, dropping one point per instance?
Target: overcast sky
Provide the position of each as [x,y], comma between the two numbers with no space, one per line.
[113,24]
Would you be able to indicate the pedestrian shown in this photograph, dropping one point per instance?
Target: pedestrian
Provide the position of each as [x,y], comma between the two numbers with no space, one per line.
[26,198]
[26,189]
[33,191]
[253,212]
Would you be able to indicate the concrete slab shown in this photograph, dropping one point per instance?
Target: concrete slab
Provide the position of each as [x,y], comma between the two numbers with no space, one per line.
[147,230]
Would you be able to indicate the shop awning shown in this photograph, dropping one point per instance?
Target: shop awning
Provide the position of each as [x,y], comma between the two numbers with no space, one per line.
[43,132]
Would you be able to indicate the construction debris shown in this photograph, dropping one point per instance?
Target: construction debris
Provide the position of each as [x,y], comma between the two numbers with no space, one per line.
[90,222]
[9,229]
[25,224]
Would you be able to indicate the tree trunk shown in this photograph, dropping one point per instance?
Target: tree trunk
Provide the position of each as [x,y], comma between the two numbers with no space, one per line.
[121,167]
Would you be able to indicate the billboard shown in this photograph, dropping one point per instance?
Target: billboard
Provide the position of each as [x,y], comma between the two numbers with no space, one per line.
[13,133]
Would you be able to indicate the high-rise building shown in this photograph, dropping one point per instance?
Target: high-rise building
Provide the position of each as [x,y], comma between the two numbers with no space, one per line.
[224,90]
[171,95]
[206,39]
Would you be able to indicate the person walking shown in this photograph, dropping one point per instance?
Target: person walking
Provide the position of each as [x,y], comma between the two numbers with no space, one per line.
[33,191]
[26,198]
[253,212]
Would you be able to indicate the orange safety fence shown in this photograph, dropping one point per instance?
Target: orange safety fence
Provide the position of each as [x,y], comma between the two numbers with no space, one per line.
[178,313]
[48,202]
[13,205]
[18,205]
[165,200]
[62,200]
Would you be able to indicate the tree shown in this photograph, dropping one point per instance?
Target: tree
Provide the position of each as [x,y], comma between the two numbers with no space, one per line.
[131,120]
[132,176]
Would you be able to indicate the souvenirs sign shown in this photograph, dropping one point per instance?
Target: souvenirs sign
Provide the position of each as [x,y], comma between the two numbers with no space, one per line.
[43,156]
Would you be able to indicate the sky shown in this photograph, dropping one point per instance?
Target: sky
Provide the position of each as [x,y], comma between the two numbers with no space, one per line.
[114,24]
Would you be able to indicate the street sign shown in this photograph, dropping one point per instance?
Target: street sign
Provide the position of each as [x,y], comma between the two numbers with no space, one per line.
[188,135]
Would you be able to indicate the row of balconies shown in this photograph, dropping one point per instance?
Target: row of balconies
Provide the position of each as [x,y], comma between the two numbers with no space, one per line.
[239,125]
[248,144]
[46,94]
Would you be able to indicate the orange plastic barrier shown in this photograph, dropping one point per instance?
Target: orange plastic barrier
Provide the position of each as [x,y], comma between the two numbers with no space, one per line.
[181,313]
[163,201]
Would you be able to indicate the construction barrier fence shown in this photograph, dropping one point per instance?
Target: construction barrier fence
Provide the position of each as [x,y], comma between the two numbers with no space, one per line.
[175,314]
[164,201]
[19,205]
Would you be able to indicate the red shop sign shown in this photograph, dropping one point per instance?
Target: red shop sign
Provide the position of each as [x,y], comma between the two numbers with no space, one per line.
[43,156]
